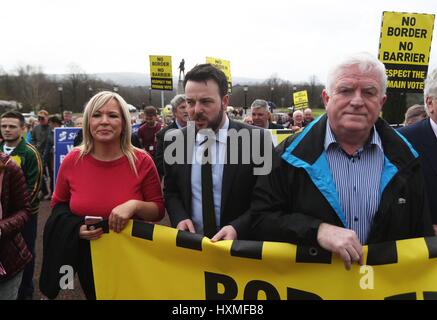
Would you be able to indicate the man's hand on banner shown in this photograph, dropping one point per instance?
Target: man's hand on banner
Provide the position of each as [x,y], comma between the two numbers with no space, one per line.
[343,242]
[225,233]
[186,225]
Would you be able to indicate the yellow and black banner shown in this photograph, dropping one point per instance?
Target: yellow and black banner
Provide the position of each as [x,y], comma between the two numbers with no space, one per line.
[223,65]
[300,99]
[404,48]
[147,261]
[279,135]
[161,75]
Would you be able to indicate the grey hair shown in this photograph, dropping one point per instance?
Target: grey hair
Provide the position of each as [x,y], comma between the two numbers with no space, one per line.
[297,112]
[307,109]
[416,111]
[260,103]
[430,87]
[176,101]
[365,62]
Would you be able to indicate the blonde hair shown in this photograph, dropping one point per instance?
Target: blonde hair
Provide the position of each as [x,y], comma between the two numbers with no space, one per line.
[97,102]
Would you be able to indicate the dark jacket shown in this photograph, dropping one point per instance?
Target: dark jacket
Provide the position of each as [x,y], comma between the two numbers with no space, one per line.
[47,155]
[29,160]
[15,202]
[39,137]
[237,185]
[291,203]
[159,154]
[424,141]
[63,247]
[275,126]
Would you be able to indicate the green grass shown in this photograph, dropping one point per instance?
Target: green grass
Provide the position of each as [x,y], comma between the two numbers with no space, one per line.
[318,112]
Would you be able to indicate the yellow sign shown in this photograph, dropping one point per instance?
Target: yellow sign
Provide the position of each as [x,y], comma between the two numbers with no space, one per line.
[223,65]
[404,48]
[147,261]
[161,75]
[300,99]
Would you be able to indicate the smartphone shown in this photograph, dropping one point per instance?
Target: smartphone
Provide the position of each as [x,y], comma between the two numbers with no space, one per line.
[95,222]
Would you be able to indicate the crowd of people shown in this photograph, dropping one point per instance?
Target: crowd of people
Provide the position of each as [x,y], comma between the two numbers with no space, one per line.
[338,182]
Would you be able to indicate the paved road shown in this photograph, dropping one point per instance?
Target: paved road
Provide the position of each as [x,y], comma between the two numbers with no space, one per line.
[76,293]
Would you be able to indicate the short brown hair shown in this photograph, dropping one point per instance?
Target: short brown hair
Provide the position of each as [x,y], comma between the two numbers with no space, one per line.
[150,111]
[14,115]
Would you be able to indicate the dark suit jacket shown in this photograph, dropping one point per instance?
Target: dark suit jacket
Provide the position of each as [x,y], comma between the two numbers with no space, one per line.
[423,139]
[159,154]
[275,126]
[237,185]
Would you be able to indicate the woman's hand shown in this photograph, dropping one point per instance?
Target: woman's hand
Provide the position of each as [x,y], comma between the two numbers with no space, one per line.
[121,214]
[89,234]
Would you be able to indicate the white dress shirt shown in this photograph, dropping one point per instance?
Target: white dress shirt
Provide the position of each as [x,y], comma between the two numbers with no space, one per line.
[217,175]
[433,126]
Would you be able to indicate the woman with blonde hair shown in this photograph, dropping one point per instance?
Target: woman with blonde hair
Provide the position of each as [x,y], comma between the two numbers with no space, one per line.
[106,176]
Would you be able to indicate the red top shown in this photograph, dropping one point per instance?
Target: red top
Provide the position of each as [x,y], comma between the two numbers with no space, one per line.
[94,187]
[148,136]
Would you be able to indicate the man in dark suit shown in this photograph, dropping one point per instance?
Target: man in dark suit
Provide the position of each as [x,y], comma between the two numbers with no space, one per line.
[211,186]
[423,136]
[179,109]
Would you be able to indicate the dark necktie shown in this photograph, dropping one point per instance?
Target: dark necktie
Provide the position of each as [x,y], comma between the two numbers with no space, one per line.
[208,212]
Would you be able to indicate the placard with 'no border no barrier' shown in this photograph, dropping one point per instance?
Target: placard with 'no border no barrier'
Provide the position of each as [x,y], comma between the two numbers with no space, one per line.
[223,65]
[404,48]
[161,75]
[300,99]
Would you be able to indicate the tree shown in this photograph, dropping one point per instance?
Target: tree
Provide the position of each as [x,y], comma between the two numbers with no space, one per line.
[32,87]
[76,88]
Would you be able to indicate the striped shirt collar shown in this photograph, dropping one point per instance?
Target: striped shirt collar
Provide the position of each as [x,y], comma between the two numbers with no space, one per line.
[374,139]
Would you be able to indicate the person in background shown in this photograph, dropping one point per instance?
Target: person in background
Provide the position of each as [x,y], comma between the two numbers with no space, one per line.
[29,127]
[307,116]
[41,131]
[15,205]
[105,177]
[261,115]
[26,156]
[415,114]
[40,134]
[423,136]
[48,155]
[298,121]
[68,119]
[78,121]
[147,132]
[179,109]
[248,120]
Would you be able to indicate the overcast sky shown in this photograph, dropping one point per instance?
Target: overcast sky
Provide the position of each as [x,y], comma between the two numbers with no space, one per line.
[290,39]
